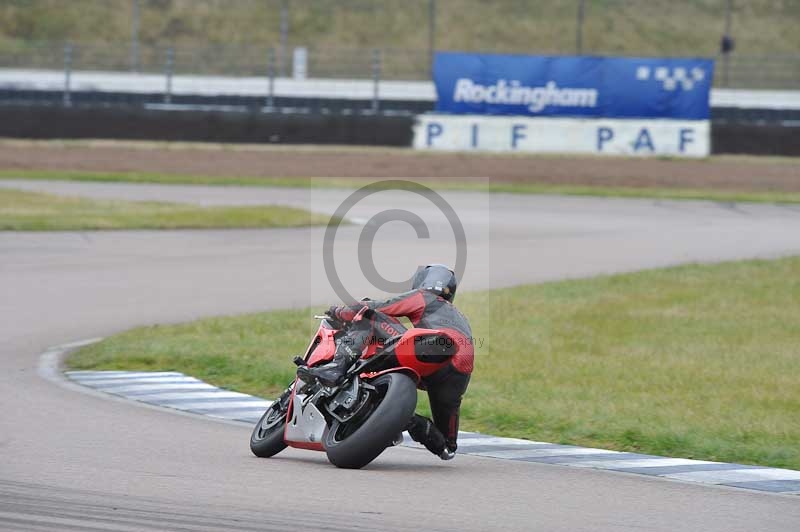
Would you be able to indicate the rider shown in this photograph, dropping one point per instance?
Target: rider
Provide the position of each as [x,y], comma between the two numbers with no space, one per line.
[427,305]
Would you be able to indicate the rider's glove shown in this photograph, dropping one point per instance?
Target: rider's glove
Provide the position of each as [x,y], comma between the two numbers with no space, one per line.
[341,313]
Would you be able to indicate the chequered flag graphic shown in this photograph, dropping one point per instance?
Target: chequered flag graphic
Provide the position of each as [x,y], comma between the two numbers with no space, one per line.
[671,78]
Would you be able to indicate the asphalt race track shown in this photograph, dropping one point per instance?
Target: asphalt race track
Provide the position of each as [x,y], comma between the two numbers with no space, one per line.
[75,461]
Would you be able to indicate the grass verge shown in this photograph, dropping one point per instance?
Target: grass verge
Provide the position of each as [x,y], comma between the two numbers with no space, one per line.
[33,211]
[693,361]
[318,182]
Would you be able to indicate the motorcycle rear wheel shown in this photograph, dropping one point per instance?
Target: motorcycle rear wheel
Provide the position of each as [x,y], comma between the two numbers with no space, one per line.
[267,437]
[356,443]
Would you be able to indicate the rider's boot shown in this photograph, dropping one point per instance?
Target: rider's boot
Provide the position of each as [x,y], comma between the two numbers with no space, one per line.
[331,373]
[422,430]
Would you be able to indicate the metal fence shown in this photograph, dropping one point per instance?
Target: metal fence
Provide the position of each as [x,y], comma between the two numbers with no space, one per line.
[392,39]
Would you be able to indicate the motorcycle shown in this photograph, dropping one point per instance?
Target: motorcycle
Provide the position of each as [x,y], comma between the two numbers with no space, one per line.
[367,411]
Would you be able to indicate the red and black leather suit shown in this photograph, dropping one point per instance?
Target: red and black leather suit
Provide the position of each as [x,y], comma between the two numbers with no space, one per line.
[447,385]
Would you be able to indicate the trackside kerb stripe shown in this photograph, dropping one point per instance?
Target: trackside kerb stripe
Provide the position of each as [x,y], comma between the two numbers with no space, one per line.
[178,391]
[215,399]
[791,487]
[663,471]
[647,462]
[97,375]
[139,380]
[153,388]
[163,397]
[198,406]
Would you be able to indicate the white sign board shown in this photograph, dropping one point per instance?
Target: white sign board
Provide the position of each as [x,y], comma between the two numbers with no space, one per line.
[678,138]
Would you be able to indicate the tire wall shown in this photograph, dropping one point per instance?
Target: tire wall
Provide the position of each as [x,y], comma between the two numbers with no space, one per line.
[755,139]
[135,123]
[130,123]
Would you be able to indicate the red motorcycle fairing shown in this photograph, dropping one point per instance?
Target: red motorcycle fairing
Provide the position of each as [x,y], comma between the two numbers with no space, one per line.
[322,346]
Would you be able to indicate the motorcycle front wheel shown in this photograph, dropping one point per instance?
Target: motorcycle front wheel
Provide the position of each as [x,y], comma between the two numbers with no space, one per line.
[267,437]
[357,442]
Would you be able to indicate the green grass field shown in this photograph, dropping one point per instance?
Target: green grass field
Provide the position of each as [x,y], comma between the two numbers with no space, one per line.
[32,211]
[316,182]
[694,361]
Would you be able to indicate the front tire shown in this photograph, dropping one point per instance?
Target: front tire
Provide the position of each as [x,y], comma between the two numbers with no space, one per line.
[356,443]
[267,437]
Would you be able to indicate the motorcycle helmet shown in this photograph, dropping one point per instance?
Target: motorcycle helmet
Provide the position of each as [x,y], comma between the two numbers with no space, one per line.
[437,278]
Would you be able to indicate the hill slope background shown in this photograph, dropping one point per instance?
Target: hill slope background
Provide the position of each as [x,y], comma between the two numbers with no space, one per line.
[234,36]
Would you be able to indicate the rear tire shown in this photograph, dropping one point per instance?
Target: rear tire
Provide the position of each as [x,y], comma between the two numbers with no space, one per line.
[267,437]
[351,447]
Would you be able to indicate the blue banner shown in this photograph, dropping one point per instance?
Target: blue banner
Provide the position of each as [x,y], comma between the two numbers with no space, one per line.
[592,87]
